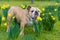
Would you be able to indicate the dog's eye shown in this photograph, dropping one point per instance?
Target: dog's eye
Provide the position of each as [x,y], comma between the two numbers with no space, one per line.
[32,10]
[38,11]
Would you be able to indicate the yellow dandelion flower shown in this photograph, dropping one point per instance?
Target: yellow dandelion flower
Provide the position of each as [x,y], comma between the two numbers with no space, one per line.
[23,6]
[43,9]
[3,7]
[39,18]
[3,18]
[43,14]
[53,18]
[6,5]
[9,15]
[13,17]
[5,24]
[55,9]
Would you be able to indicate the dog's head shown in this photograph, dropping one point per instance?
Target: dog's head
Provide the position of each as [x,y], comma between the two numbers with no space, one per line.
[33,12]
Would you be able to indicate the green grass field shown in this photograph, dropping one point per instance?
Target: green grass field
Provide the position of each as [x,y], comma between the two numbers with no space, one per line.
[45,35]
[40,4]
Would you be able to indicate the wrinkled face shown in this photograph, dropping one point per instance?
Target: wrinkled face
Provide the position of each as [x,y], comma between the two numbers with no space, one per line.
[34,12]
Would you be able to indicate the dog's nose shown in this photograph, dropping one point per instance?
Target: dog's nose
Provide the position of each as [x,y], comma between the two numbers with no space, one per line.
[36,13]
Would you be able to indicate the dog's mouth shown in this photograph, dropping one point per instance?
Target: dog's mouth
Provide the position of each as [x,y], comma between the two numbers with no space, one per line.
[34,17]
[36,14]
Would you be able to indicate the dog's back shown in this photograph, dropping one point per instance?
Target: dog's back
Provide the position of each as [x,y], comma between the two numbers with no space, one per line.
[18,12]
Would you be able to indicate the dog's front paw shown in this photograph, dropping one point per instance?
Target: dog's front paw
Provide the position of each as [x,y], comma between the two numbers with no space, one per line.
[21,34]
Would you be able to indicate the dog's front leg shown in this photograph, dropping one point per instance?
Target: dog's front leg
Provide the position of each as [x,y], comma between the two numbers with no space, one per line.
[22,24]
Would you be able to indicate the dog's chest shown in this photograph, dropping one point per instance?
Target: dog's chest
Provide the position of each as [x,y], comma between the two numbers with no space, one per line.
[30,21]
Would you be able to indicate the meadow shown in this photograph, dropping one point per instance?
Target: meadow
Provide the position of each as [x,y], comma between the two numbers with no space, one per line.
[29,34]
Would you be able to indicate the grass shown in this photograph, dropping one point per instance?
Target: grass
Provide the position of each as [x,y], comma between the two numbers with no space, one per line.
[40,4]
[45,35]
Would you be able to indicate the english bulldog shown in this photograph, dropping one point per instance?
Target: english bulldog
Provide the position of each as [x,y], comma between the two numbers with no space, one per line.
[23,16]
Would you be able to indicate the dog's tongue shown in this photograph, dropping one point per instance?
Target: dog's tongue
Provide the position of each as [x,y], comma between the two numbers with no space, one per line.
[36,16]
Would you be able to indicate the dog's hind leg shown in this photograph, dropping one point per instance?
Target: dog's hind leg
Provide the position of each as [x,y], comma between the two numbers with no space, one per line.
[9,16]
[8,22]
[8,29]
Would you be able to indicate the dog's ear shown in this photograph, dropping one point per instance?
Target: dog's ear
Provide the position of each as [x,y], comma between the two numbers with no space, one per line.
[28,8]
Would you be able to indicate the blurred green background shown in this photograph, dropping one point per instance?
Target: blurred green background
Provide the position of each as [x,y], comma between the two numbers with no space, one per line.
[29,34]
